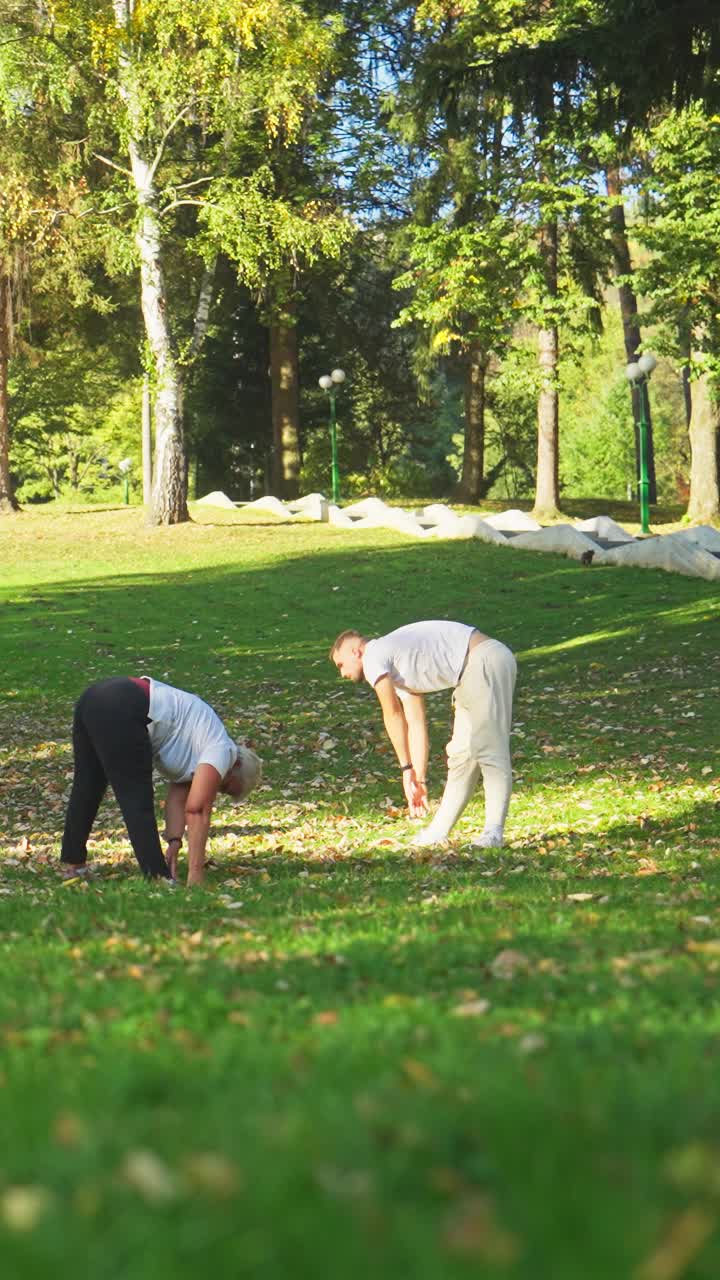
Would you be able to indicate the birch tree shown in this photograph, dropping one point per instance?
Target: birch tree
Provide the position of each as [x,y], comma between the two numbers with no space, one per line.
[179,102]
[221,64]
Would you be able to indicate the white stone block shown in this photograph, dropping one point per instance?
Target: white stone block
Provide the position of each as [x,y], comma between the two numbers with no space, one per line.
[269,503]
[476,527]
[562,539]
[437,513]
[366,507]
[402,522]
[667,553]
[314,506]
[604,527]
[339,518]
[702,535]
[512,521]
[217,499]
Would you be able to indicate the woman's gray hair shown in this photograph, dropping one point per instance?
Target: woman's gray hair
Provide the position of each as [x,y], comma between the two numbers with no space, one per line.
[247,769]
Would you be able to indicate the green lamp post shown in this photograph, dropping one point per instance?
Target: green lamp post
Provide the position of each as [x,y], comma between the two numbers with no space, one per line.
[125,467]
[330,382]
[638,375]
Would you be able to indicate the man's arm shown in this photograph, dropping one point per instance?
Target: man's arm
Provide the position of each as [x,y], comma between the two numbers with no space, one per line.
[396,727]
[414,708]
[413,705]
[198,808]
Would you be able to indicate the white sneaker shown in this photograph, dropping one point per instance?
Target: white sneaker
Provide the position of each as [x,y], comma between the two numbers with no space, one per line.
[426,838]
[492,839]
[167,882]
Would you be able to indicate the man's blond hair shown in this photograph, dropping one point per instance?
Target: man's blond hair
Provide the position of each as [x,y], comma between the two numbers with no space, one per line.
[344,635]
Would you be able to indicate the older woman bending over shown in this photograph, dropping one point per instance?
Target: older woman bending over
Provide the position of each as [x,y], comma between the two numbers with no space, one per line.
[124,726]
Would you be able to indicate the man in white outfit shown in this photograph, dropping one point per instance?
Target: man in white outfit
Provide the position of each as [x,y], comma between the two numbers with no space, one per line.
[426,657]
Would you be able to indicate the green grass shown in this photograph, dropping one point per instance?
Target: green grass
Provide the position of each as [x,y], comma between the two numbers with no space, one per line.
[313,1067]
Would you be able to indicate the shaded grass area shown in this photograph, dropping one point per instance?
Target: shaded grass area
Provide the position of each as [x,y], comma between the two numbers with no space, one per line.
[341,1057]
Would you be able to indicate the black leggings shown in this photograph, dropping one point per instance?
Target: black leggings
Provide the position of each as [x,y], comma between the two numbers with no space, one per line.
[111,744]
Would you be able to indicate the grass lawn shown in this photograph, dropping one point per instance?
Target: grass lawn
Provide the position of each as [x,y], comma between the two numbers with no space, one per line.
[340,1059]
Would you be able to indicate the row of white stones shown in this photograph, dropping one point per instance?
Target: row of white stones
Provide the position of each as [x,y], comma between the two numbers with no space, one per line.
[693,552]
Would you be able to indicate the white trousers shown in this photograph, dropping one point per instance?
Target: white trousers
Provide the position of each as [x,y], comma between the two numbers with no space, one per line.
[480,742]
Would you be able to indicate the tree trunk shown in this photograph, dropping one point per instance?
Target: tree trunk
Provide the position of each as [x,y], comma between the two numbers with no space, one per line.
[704,505]
[202,310]
[470,488]
[285,404]
[547,484]
[547,488]
[147,443]
[8,501]
[631,324]
[169,496]
[687,394]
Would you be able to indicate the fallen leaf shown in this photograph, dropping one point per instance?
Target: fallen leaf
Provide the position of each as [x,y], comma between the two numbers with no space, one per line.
[209,1171]
[419,1073]
[147,1174]
[22,1208]
[238,1018]
[473,1230]
[508,963]
[68,1129]
[471,1009]
[694,1168]
[647,867]
[533,1042]
[681,1243]
[710,947]
[447,1181]
[397,1000]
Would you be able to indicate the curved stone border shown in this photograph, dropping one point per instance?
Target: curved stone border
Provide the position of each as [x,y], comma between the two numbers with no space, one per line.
[694,552]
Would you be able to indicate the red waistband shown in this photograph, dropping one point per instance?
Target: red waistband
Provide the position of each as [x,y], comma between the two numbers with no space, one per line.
[143,683]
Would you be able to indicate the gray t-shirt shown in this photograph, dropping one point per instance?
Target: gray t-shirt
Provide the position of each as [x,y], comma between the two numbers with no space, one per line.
[185,732]
[423,657]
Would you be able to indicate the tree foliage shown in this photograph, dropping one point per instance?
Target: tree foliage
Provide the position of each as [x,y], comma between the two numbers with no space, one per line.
[261,173]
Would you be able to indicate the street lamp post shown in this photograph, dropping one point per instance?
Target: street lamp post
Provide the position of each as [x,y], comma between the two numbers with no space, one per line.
[124,467]
[638,375]
[330,382]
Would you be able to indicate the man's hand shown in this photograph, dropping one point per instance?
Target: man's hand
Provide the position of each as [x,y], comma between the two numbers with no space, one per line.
[421,800]
[415,794]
